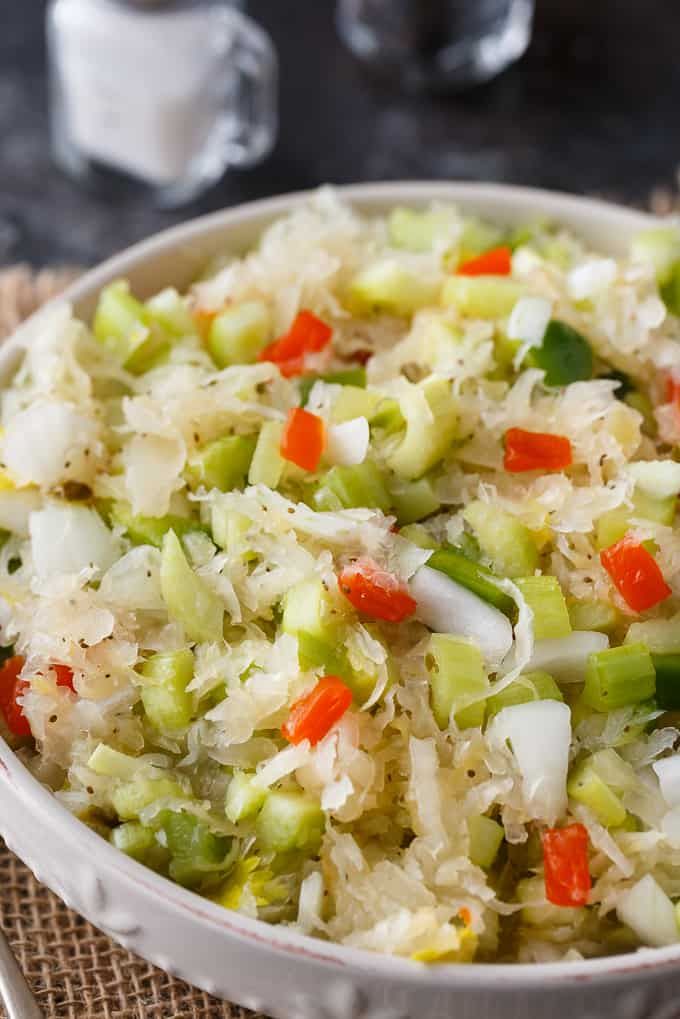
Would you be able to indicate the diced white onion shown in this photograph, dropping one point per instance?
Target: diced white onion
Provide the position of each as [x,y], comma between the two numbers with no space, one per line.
[16,506]
[648,911]
[566,658]
[448,607]
[310,902]
[668,773]
[49,442]
[591,278]
[67,538]
[133,582]
[284,763]
[670,826]
[539,735]
[658,478]
[347,443]
[529,320]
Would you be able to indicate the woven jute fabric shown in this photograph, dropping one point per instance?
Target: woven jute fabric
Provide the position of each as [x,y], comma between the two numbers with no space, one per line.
[75,971]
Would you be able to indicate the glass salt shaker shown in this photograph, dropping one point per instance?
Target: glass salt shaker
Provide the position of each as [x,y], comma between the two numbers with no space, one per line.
[163,94]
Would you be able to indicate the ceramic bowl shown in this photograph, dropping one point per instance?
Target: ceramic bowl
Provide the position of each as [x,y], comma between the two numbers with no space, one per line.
[272,969]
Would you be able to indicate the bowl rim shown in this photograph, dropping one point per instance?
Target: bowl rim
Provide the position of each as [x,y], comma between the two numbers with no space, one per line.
[503,976]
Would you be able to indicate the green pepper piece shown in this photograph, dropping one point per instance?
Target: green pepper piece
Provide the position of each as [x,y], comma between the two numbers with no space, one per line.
[565,355]
[667,681]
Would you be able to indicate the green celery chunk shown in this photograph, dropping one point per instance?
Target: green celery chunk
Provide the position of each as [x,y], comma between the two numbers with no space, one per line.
[267,464]
[592,614]
[618,677]
[503,538]
[586,786]
[485,297]
[346,377]
[151,530]
[659,247]
[164,695]
[486,838]
[290,821]
[244,797]
[237,335]
[419,536]
[169,309]
[187,597]
[457,676]
[194,850]
[308,608]
[564,355]
[130,798]
[389,286]
[135,840]
[532,686]
[104,760]
[362,485]
[418,230]
[229,528]
[427,438]
[544,597]
[414,501]
[667,668]
[123,325]
[537,912]
[222,464]
[613,524]
[315,653]
[474,576]
[355,402]
[387,417]
[661,511]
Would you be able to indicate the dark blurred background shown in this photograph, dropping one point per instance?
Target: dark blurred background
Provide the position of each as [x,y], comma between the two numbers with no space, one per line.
[593,107]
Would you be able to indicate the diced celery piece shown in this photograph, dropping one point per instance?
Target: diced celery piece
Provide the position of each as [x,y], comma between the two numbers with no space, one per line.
[618,677]
[134,839]
[188,598]
[612,526]
[481,296]
[667,669]
[104,760]
[486,838]
[238,334]
[592,614]
[229,528]
[290,821]
[308,608]
[662,636]
[661,511]
[418,230]
[123,325]
[130,798]
[362,485]
[244,797]
[419,536]
[222,464]
[544,597]
[195,851]
[414,500]
[532,686]
[474,576]
[170,310]
[543,913]
[315,652]
[388,417]
[151,530]
[164,695]
[457,676]
[503,538]
[355,402]
[587,787]
[427,437]
[389,286]
[658,247]
[266,466]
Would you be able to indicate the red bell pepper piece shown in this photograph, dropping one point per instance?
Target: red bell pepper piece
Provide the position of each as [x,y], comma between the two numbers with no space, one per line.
[64,675]
[307,335]
[12,687]
[565,865]
[375,592]
[303,439]
[497,262]
[635,574]
[535,451]
[314,715]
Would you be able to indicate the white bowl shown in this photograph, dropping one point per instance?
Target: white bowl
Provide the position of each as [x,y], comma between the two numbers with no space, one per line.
[270,968]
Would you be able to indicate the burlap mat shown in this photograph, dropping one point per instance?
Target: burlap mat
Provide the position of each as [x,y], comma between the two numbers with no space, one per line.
[75,971]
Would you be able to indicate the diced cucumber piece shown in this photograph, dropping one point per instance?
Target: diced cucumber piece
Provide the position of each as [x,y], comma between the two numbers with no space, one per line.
[417,230]
[290,821]
[592,614]
[229,528]
[164,695]
[389,286]
[474,576]
[244,797]
[308,608]
[586,786]
[486,838]
[123,325]
[222,464]
[481,296]
[419,536]
[170,310]
[266,466]
[362,485]
[618,677]
[428,435]
[414,501]
[503,538]
[187,597]
[355,402]
[104,760]
[457,676]
[237,335]
[130,798]
[195,851]
[151,530]
[134,839]
[544,597]
[658,247]
[532,686]
[667,669]
[564,355]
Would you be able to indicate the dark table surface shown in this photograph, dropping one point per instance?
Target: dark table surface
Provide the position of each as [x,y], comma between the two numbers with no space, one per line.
[592,108]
